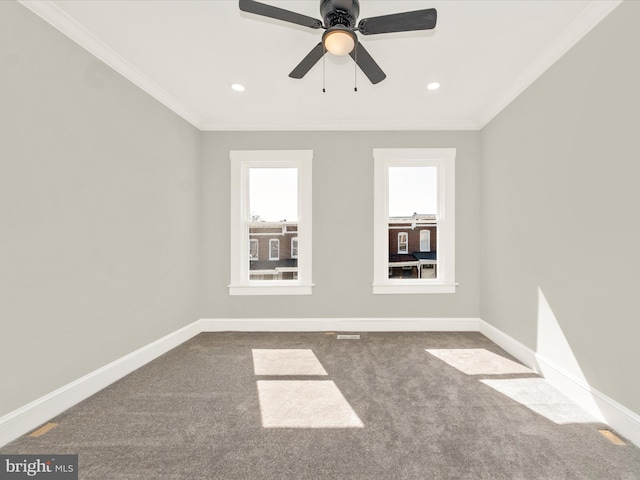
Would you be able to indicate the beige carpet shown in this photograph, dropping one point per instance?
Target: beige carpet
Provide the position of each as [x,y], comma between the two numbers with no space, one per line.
[309,406]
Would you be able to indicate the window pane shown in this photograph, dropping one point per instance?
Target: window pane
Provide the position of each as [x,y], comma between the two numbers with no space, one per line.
[273,212]
[412,190]
[253,249]
[425,240]
[273,194]
[413,207]
[402,242]
[274,250]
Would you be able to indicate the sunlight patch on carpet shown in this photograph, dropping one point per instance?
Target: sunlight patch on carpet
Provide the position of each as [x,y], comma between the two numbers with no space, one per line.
[304,404]
[44,429]
[541,397]
[286,362]
[612,437]
[478,361]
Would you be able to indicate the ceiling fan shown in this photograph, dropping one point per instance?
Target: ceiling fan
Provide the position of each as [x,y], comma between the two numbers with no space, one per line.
[340,28]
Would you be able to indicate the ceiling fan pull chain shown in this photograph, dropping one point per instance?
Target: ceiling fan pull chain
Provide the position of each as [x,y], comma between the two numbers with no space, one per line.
[324,76]
[355,69]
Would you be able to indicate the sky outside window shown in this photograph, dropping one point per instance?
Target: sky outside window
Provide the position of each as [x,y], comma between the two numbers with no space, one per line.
[273,194]
[412,190]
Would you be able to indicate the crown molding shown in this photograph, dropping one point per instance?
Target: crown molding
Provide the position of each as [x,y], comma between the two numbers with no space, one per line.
[52,14]
[342,126]
[582,25]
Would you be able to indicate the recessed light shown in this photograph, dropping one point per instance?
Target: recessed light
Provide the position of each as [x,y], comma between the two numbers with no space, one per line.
[237,87]
[433,86]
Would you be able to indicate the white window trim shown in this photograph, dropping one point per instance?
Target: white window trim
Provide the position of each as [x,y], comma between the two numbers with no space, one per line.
[271,240]
[241,162]
[444,160]
[406,244]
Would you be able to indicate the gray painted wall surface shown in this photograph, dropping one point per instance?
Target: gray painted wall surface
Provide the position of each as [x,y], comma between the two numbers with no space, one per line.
[560,202]
[99,212]
[107,241]
[342,226]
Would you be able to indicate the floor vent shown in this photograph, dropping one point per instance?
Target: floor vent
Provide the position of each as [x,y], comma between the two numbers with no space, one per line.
[348,337]
[612,437]
[44,429]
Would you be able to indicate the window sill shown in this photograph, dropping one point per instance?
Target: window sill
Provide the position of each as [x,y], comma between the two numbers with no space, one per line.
[413,287]
[270,289]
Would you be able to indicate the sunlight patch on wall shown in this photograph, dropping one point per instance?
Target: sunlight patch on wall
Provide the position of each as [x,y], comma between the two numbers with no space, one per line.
[557,362]
[541,397]
[286,362]
[304,404]
[552,343]
[478,361]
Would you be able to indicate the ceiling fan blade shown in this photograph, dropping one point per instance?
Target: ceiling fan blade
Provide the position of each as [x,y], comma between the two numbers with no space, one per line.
[399,22]
[308,62]
[258,8]
[367,64]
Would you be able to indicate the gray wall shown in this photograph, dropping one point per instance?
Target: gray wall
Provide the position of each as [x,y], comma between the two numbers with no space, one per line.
[560,202]
[99,212]
[342,226]
[107,241]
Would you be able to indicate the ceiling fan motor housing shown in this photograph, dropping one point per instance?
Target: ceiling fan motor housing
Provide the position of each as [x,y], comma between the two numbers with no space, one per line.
[334,13]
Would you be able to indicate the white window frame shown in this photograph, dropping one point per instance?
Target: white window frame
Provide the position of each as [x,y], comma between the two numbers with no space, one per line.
[241,162]
[294,240]
[277,242]
[443,159]
[406,243]
[251,241]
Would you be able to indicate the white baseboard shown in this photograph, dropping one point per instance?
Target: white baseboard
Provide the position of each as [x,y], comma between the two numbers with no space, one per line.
[32,415]
[599,405]
[340,324]
[602,407]
[511,345]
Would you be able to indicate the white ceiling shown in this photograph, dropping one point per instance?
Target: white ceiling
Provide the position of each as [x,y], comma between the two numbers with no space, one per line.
[187,53]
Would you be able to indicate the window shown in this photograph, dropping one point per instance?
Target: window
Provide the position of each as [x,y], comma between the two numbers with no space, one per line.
[253,249]
[271,199]
[414,206]
[274,249]
[403,242]
[425,240]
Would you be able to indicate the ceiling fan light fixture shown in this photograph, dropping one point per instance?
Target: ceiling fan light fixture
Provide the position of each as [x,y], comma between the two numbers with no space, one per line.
[339,41]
